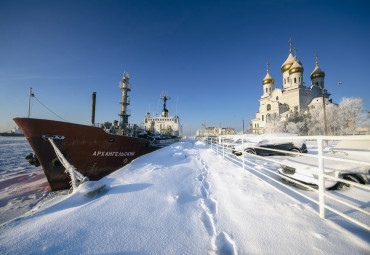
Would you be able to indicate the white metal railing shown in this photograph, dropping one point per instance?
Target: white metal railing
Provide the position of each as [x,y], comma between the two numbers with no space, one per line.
[248,162]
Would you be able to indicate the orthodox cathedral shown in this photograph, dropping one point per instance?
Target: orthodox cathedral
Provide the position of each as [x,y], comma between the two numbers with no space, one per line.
[294,96]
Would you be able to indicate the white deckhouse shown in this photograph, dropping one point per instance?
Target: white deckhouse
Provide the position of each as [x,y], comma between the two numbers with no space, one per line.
[294,96]
[165,124]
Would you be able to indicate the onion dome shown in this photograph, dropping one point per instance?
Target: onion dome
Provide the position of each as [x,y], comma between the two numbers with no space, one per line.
[268,79]
[317,72]
[289,61]
[296,67]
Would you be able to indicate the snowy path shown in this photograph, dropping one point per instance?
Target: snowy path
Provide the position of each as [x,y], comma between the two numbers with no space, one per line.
[221,241]
[182,199]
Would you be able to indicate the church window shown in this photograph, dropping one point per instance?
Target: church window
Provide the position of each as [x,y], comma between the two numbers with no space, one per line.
[295,80]
[317,83]
[299,79]
[277,98]
[284,81]
[288,79]
[262,118]
[268,107]
[266,90]
[270,89]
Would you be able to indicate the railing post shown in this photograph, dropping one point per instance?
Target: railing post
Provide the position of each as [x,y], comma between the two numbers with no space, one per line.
[211,143]
[223,150]
[243,152]
[321,178]
[218,144]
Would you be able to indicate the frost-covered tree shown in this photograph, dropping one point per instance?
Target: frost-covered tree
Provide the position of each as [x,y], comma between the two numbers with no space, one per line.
[315,121]
[274,125]
[297,123]
[340,119]
[352,114]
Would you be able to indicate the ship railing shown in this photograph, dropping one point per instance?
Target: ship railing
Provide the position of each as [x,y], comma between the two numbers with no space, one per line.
[326,199]
[125,86]
[126,113]
[127,101]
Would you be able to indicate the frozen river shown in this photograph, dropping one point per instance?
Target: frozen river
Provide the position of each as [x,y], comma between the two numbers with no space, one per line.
[21,184]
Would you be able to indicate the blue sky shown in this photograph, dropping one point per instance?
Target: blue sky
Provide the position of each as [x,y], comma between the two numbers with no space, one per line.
[209,56]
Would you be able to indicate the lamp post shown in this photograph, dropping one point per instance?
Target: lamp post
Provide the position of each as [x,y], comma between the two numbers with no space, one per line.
[324,107]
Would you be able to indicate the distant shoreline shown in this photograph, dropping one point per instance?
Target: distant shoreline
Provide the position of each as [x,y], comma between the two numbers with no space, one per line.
[10,134]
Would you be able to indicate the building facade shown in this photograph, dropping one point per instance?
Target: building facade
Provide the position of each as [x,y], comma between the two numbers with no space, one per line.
[295,95]
[212,131]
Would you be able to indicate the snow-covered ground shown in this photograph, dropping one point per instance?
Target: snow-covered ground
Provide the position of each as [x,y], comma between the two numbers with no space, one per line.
[182,199]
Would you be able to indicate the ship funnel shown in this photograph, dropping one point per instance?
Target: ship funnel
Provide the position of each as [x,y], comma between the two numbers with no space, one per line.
[93,108]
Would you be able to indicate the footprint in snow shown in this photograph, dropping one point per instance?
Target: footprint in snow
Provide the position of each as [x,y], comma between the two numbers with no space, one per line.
[204,191]
[225,245]
[211,205]
[200,177]
[206,184]
[207,220]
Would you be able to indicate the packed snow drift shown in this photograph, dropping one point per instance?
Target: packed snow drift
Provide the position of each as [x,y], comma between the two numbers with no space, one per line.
[182,199]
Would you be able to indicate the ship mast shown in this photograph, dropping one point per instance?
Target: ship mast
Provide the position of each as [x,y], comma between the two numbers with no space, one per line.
[165,97]
[125,87]
[29,102]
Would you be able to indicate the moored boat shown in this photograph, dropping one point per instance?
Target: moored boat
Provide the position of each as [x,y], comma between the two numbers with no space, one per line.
[88,151]
[93,152]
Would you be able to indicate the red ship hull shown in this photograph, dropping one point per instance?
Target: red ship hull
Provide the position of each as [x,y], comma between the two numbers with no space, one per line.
[92,151]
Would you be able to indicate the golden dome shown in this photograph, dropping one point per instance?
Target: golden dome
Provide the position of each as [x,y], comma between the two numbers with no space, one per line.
[296,67]
[288,63]
[317,72]
[268,79]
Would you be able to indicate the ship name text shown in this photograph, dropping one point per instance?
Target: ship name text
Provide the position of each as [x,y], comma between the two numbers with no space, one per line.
[113,154]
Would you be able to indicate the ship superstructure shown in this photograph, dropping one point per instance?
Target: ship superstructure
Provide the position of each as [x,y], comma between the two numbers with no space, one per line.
[164,123]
